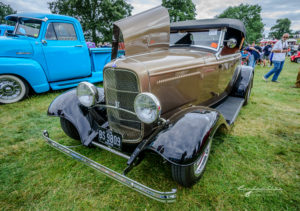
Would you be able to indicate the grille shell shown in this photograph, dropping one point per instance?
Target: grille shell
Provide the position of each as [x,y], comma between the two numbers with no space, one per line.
[121,87]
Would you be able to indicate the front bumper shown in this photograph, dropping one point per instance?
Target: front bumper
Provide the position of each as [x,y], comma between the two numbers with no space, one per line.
[167,197]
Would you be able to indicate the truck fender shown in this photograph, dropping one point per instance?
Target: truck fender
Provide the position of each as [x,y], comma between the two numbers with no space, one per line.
[243,81]
[184,141]
[68,106]
[28,69]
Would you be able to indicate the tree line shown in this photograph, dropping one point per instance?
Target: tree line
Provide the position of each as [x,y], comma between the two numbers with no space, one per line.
[97,16]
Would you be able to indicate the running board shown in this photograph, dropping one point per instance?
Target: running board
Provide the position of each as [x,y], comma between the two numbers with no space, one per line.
[166,197]
[230,108]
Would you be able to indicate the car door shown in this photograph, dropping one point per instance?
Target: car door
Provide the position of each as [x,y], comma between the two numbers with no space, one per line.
[66,55]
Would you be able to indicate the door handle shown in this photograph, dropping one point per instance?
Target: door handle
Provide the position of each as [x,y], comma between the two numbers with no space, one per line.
[44,42]
[78,46]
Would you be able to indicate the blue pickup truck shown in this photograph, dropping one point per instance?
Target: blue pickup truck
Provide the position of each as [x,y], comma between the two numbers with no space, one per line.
[6,29]
[46,52]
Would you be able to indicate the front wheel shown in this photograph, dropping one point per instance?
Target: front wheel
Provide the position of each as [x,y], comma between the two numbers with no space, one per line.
[69,129]
[189,175]
[298,60]
[12,89]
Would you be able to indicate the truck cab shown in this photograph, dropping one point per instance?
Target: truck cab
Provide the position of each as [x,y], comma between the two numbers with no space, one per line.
[46,51]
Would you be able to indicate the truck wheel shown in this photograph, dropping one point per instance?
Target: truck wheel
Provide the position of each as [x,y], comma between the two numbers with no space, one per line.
[12,89]
[69,129]
[189,175]
[298,60]
[248,93]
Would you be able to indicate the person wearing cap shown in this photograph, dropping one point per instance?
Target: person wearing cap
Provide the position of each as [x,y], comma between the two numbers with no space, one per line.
[280,49]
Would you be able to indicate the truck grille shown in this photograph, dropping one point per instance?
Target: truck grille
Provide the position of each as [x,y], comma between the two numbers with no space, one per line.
[121,88]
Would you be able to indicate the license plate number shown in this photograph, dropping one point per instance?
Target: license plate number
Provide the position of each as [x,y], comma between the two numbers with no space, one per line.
[110,138]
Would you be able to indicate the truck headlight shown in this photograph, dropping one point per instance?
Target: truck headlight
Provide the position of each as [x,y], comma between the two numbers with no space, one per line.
[147,107]
[87,94]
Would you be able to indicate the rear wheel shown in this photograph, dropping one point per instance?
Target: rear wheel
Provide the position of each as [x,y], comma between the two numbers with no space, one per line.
[12,89]
[69,129]
[189,175]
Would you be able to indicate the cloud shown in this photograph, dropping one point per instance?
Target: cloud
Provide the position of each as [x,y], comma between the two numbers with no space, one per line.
[28,5]
[271,9]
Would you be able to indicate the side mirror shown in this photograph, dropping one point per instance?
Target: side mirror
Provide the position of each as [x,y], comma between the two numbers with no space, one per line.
[231,43]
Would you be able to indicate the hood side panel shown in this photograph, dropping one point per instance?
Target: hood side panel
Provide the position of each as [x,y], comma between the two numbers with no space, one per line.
[145,32]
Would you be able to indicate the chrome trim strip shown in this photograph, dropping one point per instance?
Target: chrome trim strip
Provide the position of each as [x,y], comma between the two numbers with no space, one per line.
[23,53]
[110,150]
[166,197]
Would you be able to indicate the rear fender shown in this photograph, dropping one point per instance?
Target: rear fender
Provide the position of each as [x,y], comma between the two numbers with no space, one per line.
[28,69]
[244,79]
[68,106]
[188,134]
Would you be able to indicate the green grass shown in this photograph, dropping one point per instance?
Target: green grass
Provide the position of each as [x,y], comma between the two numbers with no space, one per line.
[261,151]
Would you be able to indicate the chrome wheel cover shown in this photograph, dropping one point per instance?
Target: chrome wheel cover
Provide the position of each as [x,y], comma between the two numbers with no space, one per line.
[12,89]
[200,164]
[9,89]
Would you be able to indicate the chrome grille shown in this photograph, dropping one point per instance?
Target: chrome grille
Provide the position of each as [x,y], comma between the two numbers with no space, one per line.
[121,88]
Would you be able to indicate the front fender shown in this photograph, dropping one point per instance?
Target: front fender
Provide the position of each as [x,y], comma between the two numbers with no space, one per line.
[28,69]
[186,138]
[243,81]
[68,106]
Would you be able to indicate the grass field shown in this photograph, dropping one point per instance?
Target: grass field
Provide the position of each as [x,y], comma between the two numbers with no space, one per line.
[261,152]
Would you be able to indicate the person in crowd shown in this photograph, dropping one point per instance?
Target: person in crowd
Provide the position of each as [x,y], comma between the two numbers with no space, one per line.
[289,53]
[267,53]
[261,53]
[254,51]
[280,49]
[245,56]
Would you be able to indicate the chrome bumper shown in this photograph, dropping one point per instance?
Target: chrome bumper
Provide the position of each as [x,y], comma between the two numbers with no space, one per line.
[167,197]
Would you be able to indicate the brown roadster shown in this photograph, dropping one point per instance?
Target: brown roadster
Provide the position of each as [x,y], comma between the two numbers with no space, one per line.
[174,88]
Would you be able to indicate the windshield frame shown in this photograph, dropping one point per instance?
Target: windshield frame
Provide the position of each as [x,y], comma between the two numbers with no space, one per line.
[18,23]
[215,50]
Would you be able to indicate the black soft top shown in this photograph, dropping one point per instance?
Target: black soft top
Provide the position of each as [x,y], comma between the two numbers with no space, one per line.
[209,24]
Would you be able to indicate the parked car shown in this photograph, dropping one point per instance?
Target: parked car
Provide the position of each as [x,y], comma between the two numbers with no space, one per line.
[45,52]
[296,57]
[173,90]
[6,29]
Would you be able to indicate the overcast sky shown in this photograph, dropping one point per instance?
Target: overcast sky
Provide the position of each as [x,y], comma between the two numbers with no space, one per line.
[271,9]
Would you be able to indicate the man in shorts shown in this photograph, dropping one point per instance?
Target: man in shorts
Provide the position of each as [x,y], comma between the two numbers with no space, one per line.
[267,53]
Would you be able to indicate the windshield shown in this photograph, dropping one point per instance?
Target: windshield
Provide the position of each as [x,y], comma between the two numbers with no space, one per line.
[28,27]
[205,39]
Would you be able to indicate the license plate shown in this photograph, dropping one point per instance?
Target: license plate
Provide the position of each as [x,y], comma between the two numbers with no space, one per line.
[110,138]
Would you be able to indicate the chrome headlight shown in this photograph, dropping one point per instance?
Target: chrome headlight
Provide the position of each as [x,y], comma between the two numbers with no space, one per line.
[147,107]
[87,94]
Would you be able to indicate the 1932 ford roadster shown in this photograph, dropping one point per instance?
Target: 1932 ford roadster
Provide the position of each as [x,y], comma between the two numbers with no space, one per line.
[173,89]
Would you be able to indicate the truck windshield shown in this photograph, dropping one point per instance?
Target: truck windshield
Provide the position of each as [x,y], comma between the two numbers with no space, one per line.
[28,27]
[204,39]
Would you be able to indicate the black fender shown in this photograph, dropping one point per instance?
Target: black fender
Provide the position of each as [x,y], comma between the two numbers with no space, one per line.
[186,138]
[244,79]
[68,106]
